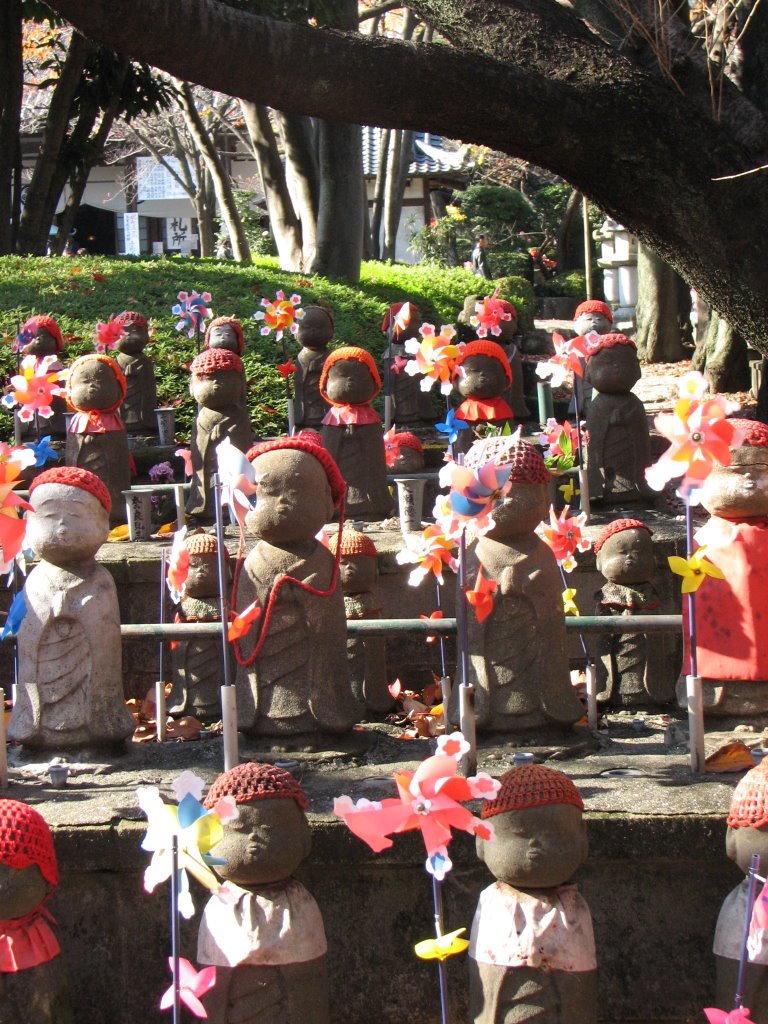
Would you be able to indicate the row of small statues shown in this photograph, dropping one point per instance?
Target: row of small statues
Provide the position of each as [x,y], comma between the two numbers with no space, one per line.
[531,954]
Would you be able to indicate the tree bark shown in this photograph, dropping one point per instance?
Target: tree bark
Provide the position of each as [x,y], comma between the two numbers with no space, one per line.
[532,67]
[722,357]
[11,85]
[397,175]
[563,235]
[663,309]
[340,211]
[299,137]
[379,191]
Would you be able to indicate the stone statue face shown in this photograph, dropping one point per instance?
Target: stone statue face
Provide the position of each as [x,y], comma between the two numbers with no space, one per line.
[93,385]
[589,322]
[293,500]
[220,390]
[22,890]
[481,377]
[627,557]
[350,383]
[203,577]
[741,843]
[409,461]
[67,525]
[739,491]
[614,370]
[358,573]
[508,330]
[315,328]
[43,344]
[536,848]
[265,844]
[521,511]
[223,336]
[134,340]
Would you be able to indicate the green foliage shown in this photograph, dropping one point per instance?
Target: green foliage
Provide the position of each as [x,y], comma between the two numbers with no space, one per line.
[495,210]
[573,284]
[510,263]
[260,241]
[78,292]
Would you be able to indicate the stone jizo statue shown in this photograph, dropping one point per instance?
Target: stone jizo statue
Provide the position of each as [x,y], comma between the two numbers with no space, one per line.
[411,405]
[482,376]
[514,395]
[314,336]
[590,316]
[41,337]
[138,408]
[225,332]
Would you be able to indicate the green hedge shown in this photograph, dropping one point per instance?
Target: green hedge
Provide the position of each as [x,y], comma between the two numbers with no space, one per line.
[80,291]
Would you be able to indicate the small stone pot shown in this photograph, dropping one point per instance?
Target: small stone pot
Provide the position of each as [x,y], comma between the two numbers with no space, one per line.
[138,507]
[410,499]
[166,426]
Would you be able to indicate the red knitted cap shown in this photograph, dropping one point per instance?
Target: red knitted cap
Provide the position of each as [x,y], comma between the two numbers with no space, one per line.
[48,324]
[408,440]
[302,444]
[253,781]
[755,432]
[131,316]
[532,785]
[483,347]
[349,352]
[393,310]
[618,526]
[25,839]
[201,544]
[507,306]
[594,306]
[609,341]
[749,803]
[236,326]
[352,543]
[216,360]
[119,376]
[73,476]
[526,460]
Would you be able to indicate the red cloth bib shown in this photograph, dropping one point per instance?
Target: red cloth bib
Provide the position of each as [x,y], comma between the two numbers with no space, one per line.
[27,941]
[95,422]
[343,415]
[474,410]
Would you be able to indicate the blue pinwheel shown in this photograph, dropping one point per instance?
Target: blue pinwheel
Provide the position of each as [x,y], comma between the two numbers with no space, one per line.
[16,614]
[43,451]
[475,492]
[451,426]
[22,339]
[192,311]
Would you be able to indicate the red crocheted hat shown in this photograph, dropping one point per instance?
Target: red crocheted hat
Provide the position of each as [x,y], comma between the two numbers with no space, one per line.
[349,352]
[483,347]
[617,526]
[201,543]
[755,432]
[25,839]
[352,543]
[609,341]
[526,460]
[594,306]
[215,360]
[532,785]
[253,781]
[236,326]
[48,324]
[303,444]
[749,803]
[131,316]
[393,310]
[119,377]
[507,306]
[73,476]
[408,440]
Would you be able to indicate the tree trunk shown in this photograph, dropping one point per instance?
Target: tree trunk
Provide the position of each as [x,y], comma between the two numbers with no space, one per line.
[562,237]
[221,182]
[302,173]
[397,175]
[340,213]
[43,193]
[663,309]
[722,357]
[283,221]
[379,191]
[11,84]
[205,206]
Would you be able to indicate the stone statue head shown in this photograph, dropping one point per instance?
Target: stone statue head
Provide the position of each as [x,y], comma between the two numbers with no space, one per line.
[748,818]
[541,837]
[482,370]
[270,837]
[624,552]
[43,337]
[69,520]
[203,573]
[135,336]
[740,490]
[225,332]
[358,567]
[592,315]
[349,377]
[28,869]
[316,328]
[612,364]
[216,379]
[411,457]
[526,504]
[96,383]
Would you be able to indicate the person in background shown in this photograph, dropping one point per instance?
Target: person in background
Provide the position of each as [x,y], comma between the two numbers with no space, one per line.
[480,259]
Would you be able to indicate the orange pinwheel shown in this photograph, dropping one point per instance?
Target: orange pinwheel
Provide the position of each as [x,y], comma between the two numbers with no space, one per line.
[434,357]
[241,623]
[564,537]
[432,550]
[481,598]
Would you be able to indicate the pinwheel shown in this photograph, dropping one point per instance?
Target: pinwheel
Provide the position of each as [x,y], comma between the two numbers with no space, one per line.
[432,550]
[107,335]
[15,616]
[564,537]
[42,451]
[192,984]
[280,315]
[481,598]
[286,369]
[434,357]
[568,356]
[451,426]
[242,622]
[178,566]
[391,447]
[474,492]
[238,480]
[34,388]
[488,316]
[192,310]
[694,569]
[569,604]
[442,947]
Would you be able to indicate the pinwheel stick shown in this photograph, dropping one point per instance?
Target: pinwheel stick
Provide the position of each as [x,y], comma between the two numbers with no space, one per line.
[175,929]
[388,374]
[442,967]
[583,478]
[228,704]
[466,690]
[160,684]
[590,669]
[445,679]
[693,686]
[754,870]
[3,750]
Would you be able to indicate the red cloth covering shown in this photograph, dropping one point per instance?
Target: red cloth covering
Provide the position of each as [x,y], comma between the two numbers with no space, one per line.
[344,415]
[95,422]
[27,941]
[474,410]
[732,613]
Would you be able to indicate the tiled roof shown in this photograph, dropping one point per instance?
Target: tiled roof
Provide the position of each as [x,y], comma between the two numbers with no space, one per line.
[429,156]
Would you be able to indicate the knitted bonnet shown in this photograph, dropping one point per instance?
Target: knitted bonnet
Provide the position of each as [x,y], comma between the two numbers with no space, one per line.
[73,476]
[617,526]
[25,839]
[532,785]
[254,781]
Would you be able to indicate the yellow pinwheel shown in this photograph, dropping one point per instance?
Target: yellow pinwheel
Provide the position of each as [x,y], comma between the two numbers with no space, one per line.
[694,569]
[569,605]
[442,947]
[569,490]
